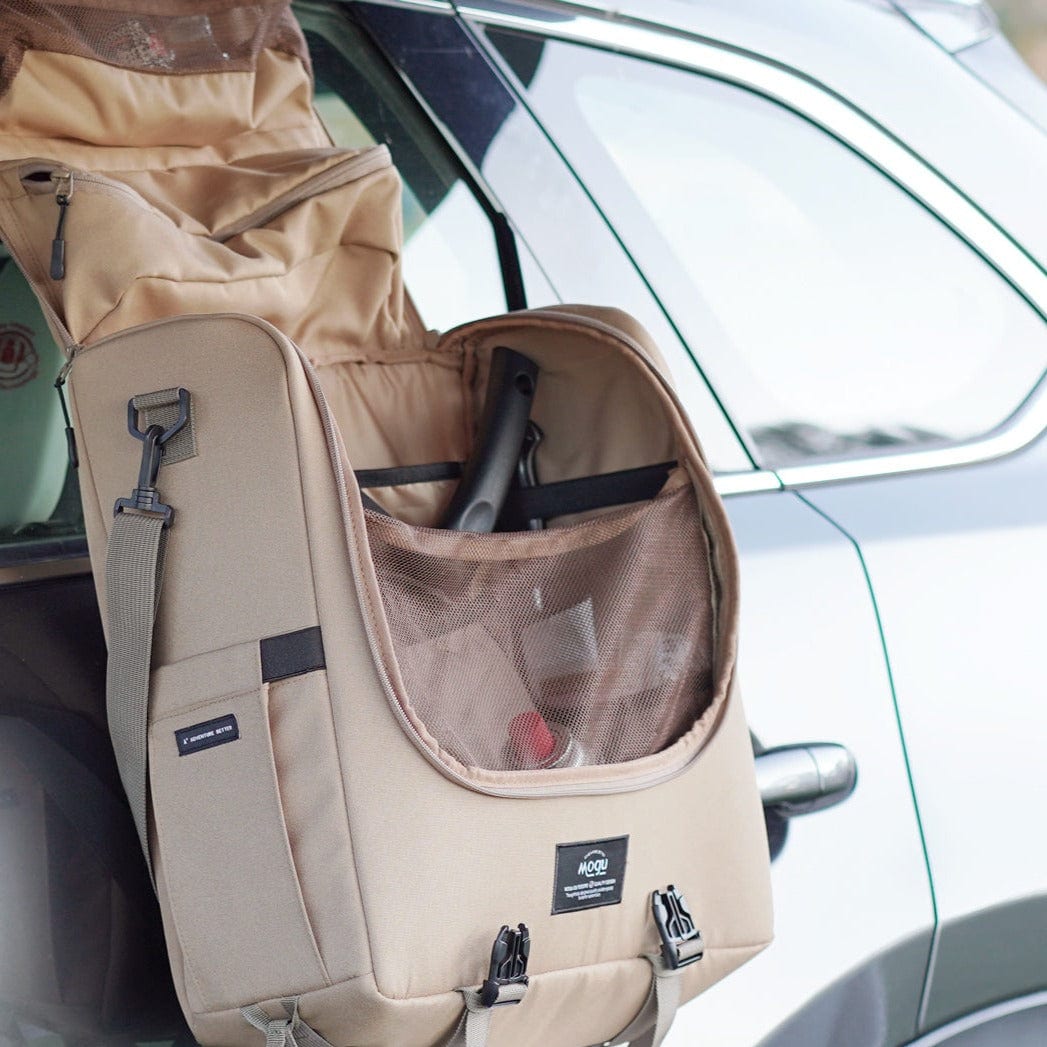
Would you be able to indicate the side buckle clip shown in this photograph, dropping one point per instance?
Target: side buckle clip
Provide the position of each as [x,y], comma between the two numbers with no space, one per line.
[508,965]
[682,942]
[145,498]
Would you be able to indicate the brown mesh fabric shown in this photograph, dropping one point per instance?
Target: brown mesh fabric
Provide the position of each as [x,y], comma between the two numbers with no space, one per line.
[604,628]
[153,36]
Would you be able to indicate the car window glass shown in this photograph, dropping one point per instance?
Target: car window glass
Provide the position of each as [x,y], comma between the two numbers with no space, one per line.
[40,513]
[450,259]
[834,314]
[579,254]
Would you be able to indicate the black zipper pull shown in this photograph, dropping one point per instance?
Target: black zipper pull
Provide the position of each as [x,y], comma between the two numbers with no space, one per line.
[63,194]
[70,436]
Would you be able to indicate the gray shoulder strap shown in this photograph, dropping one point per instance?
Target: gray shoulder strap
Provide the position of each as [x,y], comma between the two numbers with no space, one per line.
[134,567]
[133,572]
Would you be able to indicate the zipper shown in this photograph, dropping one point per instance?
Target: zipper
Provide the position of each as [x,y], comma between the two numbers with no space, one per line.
[63,181]
[70,435]
[352,168]
[69,345]
[355,166]
[58,174]
[634,784]
[331,436]
[66,179]
[623,339]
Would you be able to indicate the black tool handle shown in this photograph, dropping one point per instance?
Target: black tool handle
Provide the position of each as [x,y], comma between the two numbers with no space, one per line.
[492,465]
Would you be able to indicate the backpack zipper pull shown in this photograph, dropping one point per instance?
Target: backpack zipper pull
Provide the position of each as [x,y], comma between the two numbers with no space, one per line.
[70,436]
[63,194]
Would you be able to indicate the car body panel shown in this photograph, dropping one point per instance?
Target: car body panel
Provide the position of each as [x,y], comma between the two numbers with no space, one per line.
[852,899]
[999,66]
[1018,1022]
[956,561]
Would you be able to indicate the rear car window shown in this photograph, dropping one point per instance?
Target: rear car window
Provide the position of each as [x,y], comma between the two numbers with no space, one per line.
[40,513]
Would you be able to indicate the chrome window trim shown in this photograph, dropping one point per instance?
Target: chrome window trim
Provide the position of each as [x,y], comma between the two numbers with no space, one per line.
[440,7]
[1026,425]
[972,1021]
[750,482]
[833,114]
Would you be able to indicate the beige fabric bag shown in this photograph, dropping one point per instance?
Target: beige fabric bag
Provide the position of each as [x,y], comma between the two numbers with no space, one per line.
[372,742]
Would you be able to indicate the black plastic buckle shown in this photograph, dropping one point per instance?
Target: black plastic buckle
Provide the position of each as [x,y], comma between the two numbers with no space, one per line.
[145,498]
[675,927]
[508,964]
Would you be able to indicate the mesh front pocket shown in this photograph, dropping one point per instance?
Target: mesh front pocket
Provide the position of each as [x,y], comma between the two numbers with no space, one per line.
[581,645]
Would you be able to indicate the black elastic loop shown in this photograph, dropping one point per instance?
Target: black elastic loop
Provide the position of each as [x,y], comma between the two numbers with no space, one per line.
[291,654]
[580,495]
[543,501]
[396,475]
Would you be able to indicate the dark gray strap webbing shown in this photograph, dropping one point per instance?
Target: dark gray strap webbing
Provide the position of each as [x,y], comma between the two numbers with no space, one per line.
[394,476]
[475,1025]
[581,494]
[286,1031]
[134,567]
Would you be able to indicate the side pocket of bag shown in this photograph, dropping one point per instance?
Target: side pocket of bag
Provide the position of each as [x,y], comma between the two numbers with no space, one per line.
[317,823]
[225,856]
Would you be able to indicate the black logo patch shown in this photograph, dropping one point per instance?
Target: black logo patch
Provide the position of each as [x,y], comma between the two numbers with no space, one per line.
[207,734]
[589,875]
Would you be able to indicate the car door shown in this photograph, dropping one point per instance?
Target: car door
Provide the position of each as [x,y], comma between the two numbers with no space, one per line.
[879,344]
[854,912]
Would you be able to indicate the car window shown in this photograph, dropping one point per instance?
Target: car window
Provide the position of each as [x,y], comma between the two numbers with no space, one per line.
[580,255]
[450,260]
[40,515]
[833,313]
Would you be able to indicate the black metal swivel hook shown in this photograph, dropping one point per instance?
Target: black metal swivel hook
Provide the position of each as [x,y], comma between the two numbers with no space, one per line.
[145,498]
[176,427]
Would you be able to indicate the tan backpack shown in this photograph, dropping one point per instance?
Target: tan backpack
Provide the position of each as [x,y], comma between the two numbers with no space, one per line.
[390,776]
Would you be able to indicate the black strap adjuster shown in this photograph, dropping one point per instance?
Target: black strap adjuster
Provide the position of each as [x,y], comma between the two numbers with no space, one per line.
[682,942]
[508,964]
[145,498]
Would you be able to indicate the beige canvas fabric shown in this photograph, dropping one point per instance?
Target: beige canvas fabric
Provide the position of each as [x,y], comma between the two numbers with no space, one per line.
[225,181]
[339,852]
[360,845]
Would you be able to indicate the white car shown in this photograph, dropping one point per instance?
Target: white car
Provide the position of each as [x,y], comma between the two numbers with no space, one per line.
[830,214]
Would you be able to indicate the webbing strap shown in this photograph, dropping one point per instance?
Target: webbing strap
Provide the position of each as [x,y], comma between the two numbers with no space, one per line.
[475,1025]
[162,408]
[651,1024]
[394,476]
[134,565]
[581,494]
[286,1031]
